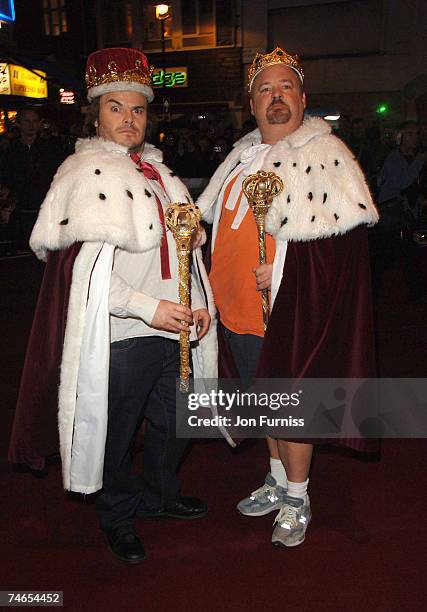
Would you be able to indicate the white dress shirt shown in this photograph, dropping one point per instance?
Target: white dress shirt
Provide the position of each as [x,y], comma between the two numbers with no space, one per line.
[137,287]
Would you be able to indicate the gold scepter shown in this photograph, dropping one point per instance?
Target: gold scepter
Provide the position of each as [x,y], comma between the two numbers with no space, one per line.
[183,221]
[260,189]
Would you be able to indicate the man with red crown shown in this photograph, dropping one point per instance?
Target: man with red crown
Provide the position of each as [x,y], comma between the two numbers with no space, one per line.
[317,268]
[108,318]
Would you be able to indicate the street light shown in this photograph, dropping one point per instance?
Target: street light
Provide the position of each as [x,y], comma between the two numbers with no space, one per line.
[162,13]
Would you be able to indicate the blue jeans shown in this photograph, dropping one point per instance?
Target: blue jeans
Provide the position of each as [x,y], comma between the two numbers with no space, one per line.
[246,349]
[143,373]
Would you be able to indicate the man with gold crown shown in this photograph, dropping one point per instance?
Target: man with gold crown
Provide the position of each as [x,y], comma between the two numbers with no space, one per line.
[317,268]
[108,318]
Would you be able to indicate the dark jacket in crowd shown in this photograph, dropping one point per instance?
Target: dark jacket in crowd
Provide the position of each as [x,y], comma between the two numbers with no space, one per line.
[28,170]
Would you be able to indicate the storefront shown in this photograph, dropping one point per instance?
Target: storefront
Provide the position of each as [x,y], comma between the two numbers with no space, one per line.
[16,83]
[205,82]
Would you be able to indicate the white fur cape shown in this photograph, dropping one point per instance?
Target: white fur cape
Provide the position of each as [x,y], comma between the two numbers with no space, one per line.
[325,192]
[98,196]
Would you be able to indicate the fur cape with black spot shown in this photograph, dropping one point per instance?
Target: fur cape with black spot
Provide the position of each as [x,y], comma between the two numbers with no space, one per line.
[98,197]
[325,192]
[321,324]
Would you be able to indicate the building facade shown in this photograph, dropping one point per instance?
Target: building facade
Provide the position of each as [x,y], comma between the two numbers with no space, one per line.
[358,55]
[202,44]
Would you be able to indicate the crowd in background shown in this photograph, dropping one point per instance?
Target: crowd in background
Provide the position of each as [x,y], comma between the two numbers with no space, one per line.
[393,159]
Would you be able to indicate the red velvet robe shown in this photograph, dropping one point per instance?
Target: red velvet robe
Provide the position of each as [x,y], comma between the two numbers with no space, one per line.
[321,325]
[35,428]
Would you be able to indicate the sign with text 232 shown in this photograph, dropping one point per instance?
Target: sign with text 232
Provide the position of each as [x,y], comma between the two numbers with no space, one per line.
[170,77]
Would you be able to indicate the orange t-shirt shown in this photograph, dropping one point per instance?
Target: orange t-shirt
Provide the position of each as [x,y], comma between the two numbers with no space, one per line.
[235,255]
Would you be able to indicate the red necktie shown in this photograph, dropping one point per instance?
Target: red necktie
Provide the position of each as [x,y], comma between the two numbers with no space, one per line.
[152,174]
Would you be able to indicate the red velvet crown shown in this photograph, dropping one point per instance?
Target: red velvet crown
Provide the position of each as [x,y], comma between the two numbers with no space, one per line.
[118,70]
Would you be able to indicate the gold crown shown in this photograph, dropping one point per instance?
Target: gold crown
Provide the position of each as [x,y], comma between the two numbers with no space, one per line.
[136,75]
[278,56]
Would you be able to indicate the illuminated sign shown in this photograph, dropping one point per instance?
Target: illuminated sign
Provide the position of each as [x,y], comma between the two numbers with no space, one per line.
[172,77]
[27,83]
[66,97]
[4,79]
[18,81]
[7,10]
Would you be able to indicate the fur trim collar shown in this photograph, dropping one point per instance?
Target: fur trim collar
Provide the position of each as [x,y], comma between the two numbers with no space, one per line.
[310,128]
[98,195]
[251,138]
[98,145]
[325,192]
[95,145]
[150,153]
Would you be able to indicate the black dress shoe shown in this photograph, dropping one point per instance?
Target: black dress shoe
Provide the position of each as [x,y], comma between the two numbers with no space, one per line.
[125,545]
[182,508]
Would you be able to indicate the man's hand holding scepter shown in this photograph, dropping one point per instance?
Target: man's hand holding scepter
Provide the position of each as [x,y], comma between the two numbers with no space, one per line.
[260,189]
[183,221]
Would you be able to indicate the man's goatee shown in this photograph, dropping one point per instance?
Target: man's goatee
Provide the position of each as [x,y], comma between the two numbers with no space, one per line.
[278,116]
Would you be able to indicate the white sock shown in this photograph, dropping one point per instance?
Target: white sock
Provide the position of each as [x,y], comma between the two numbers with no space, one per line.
[298,489]
[278,472]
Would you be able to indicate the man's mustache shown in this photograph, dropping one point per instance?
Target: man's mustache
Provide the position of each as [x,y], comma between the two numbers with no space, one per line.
[276,102]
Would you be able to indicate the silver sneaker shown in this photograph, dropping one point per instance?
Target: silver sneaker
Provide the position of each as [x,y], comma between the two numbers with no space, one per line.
[267,498]
[291,523]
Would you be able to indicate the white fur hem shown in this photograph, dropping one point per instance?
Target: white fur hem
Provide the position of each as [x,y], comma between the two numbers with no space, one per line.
[100,90]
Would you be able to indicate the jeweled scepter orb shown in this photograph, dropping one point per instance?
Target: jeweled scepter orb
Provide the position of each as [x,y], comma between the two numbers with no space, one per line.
[260,189]
[183,220]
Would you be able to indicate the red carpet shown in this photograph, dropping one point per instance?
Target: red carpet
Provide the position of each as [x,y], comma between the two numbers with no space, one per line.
[365,548]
